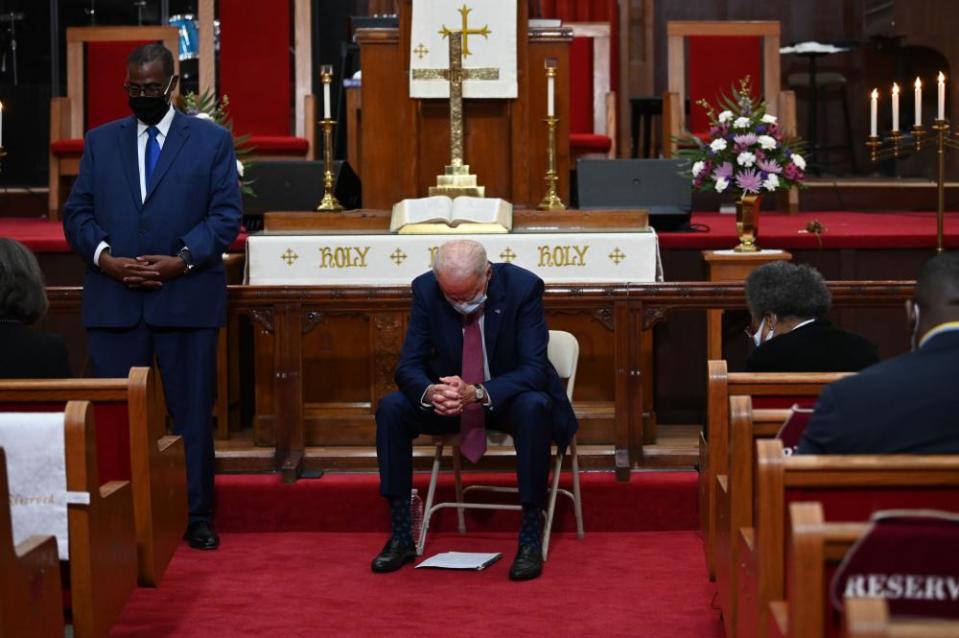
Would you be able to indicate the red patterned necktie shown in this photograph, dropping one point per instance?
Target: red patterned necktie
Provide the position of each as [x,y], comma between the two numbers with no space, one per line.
[473,419]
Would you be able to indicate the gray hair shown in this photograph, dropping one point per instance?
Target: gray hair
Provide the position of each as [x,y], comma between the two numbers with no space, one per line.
[460,259]
[22,295]
[787,290]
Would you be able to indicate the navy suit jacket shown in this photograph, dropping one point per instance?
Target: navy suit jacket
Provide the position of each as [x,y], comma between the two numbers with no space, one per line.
[516,340]
[193,200]
[905,405]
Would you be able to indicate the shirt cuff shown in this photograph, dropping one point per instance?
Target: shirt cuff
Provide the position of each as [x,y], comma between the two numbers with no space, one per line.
[96,254]
[423,402]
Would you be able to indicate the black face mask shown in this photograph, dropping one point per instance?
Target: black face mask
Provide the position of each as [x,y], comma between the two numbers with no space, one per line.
[149,110]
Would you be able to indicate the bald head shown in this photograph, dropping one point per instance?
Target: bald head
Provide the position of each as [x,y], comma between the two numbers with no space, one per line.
[461,269]
[937,290]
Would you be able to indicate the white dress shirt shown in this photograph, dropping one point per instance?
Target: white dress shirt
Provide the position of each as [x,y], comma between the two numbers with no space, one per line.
[163,126]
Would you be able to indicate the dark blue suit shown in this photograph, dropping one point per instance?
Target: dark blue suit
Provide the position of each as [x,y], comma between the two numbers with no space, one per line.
[193,200]
[905,405]
[528,399]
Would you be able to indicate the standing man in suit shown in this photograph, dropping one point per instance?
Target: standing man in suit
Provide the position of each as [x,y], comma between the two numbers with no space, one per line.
[905,405]
[475,356]
[155,205]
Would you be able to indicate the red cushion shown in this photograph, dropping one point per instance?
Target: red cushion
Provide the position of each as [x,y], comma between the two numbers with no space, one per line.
[581,85]
[67,147]
[590,142]
[278,145]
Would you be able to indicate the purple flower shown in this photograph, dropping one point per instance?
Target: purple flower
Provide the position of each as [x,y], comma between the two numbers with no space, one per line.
[760,154]
[745,140]
[749,181]
[792,173]
[761,129]
[724,170]
[769,165]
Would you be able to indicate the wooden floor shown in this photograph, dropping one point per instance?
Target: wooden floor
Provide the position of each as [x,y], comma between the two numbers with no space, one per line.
[676,448]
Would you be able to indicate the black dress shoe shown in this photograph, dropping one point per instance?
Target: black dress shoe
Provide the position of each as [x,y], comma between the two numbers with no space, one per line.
[201,536]
[528,563]
[394,555]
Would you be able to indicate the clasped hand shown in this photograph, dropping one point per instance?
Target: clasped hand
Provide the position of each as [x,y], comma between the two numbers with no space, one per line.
[451,395]
[146,271]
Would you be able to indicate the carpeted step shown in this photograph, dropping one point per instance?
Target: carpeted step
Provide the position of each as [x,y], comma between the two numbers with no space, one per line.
[345,502]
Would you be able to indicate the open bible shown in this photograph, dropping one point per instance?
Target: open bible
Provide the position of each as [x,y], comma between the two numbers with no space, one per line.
[440,214]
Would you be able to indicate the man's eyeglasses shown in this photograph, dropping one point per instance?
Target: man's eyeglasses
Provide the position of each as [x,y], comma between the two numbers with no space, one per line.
[146,90]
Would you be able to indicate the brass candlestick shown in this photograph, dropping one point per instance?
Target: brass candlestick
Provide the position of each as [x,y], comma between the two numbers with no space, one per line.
[896,146]
[329,201]
[551,200]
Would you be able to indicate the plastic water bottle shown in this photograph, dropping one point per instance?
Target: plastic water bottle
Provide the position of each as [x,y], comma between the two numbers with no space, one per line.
[416,514]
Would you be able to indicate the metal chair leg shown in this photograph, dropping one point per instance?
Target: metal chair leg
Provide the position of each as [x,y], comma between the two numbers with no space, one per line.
[577,498]
[553,491]
[458,481]
[430,493]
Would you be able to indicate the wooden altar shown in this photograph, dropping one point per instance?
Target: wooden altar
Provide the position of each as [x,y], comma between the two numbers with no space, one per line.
[404,142]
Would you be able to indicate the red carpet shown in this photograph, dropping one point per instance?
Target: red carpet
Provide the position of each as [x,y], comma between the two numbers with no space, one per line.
[320,584]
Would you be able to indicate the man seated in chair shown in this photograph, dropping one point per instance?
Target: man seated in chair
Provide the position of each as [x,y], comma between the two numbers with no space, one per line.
[474,357]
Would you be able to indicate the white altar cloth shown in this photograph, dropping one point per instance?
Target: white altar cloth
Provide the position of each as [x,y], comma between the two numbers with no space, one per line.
[395,260]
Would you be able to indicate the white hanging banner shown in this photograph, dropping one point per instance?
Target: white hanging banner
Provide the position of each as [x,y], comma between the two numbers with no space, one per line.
[489,42]
[37,476]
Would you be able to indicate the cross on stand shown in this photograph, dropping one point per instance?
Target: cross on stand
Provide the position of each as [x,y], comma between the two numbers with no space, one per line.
[456,180]
[466,31]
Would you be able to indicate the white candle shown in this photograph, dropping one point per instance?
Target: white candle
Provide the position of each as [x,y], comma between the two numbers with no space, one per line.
[942,96]
[326,75]
[918,102]
[873,112]
[895,106]
[550,96]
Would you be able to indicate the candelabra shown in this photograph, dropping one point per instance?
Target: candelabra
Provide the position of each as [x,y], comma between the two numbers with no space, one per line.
[551,200]
[329,201]
[897,145]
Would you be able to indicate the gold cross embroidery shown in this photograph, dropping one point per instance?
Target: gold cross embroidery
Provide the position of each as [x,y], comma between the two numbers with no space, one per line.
[507,255]
[467,32]
[421,51]
[617,255]
[398,256]
[289,256]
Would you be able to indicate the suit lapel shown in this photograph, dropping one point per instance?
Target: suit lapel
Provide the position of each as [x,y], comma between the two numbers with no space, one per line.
[128,154]
[176,137]
[493,313]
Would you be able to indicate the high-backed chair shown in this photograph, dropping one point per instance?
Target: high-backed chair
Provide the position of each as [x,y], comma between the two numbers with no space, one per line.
[254,72]
[96,66]
[563,354]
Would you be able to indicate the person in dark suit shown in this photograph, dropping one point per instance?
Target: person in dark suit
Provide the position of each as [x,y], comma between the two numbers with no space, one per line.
[26,353]
[475,356]
[908,404]
[156,203]
[788,304]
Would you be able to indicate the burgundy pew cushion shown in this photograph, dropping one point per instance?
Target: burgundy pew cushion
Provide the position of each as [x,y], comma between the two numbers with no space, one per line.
[589,142]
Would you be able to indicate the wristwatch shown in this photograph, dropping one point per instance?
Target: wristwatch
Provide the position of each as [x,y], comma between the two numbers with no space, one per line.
[480,392]
[187,258]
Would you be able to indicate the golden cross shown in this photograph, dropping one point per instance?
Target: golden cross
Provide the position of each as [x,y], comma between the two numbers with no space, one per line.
[456,74]
[617,255]
[507,255]
[466,31]
[421,51]
[289,256]
[398,256]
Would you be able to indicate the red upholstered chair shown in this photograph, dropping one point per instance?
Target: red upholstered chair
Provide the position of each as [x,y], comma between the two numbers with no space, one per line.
[594,68]
[254,70]
[96,66]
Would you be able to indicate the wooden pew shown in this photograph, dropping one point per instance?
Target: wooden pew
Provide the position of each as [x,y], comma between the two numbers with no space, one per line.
[31,603]
[869,618]
[157,469]
[850,488]
[713,454]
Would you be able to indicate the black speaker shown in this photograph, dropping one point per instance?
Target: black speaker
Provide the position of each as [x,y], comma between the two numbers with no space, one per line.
[295,185]
[658,185]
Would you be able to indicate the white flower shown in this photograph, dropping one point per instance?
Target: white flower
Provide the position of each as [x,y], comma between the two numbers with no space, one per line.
[721,184]
[769,119]
[203,116]
[746,159]
[718,145]
[768,142]
[239,168]
[698,168]
[725,116]
[741,122]
[799,161]
[772,182]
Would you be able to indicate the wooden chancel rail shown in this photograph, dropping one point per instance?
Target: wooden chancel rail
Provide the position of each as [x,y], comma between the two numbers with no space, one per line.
[316,337]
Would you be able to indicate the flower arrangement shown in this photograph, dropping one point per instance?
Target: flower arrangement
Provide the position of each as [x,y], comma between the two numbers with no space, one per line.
[747,152]
[206,106]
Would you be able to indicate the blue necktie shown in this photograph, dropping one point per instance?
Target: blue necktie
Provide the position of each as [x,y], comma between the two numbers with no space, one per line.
[151,155]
